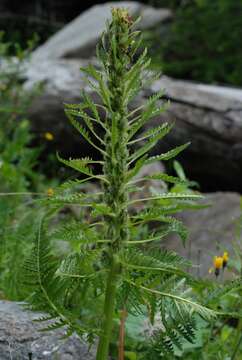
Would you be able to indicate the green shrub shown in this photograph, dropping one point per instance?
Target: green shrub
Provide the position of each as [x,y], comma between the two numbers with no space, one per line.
[17,175]
[202,44]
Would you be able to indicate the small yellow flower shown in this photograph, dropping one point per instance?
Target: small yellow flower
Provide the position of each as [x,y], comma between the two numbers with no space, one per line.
[225,259]
[218,264]
[48,136]
[50,192]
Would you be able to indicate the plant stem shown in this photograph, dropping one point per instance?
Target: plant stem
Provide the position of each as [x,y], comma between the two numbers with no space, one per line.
[122,335]
[103,346]
[115,166]
[237,348]
[237,341]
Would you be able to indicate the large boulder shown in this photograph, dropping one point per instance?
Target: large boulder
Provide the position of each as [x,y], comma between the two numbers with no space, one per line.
[78,39]
[62,82]
[209,116]
[211,231]
[21,340]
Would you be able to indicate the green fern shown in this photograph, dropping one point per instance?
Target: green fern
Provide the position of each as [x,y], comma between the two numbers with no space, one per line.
[51,289]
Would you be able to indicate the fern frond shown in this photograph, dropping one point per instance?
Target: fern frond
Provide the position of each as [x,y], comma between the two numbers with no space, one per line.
[175,328]
[76,232]
[163,262]
[39,272]
[50,291]
[184,304]
[175,225]
[223,290]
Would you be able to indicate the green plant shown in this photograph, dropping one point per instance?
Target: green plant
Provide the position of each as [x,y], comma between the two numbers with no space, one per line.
[118,266]
[222,338]
[17,161]
[201,43]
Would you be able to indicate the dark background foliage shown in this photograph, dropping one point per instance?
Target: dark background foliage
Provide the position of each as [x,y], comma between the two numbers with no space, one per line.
[201,44]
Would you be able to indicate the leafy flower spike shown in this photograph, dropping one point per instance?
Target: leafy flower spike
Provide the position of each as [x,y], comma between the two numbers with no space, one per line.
[118,263]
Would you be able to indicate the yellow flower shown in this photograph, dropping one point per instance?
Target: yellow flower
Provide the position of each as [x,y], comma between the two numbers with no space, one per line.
[50,192]
[225,259]
[217,263]
[49,136]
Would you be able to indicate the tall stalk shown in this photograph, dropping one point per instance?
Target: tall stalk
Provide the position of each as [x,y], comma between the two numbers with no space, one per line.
[113,270]
[115,169]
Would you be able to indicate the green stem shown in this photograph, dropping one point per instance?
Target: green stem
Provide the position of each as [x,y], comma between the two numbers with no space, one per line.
[104,340]
[115,166]
[237,348]
[238,341]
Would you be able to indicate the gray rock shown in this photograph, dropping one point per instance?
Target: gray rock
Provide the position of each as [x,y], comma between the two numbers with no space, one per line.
[20,339]
[211,230]
[62,82]
[79,37]
[209,116]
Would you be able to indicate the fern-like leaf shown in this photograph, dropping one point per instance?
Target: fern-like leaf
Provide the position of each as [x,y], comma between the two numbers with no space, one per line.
[168,155]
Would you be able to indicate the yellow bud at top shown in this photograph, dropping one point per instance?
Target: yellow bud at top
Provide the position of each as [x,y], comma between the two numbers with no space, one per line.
[122,14]
[49,136]
[50,192]
[218,262]
[225,256]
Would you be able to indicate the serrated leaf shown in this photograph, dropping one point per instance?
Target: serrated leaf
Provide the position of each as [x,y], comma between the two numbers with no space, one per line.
[164,130]
[101,209]
[167,178]
[149,133]
[168,155]
[147,113]
[102,89]
[77,164]
[84,132]
[175,196]
[138,165]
